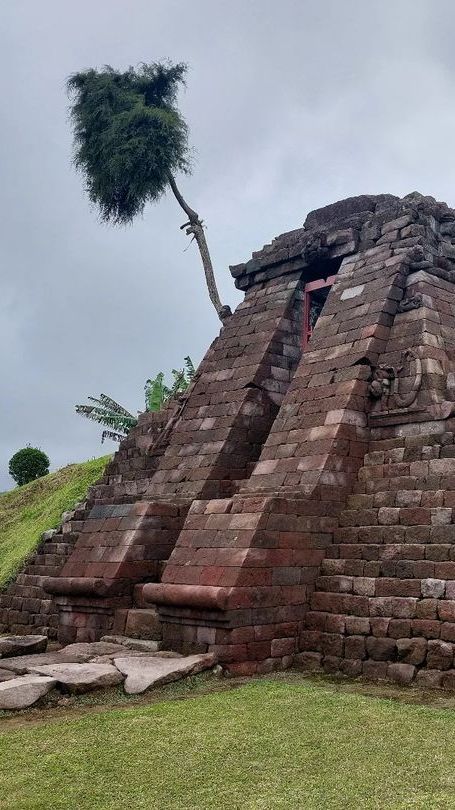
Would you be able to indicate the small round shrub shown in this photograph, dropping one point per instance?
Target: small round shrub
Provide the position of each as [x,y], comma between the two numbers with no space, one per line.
[28,464]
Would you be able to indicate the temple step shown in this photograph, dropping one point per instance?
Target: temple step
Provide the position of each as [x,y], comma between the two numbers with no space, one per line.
[141,623]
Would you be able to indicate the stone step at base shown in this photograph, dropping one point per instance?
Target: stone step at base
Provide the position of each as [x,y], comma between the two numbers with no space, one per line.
[400,566]
[384,586]
[425,439]
[428,498]
[374,563]
[396,516]
[430,482]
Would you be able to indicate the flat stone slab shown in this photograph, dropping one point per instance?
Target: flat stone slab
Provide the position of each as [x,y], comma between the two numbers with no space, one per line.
[77,678]
[146,671]
[18,693]
[6,675]
[91,649]
[141,644]
[109,659]
[22,664]
[22,645]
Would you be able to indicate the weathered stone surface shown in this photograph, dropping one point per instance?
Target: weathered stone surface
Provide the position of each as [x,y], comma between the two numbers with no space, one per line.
[22,645]
[439,655]
[18,693]
[143,623]
[142,673]
[6,675]
[339,541]
[91,649]
[108,659]
[309,661]
[412,650]
[401,673]
[23,663]
[77,678]
[433,588]
[429,678]
[142,644]
[381,649]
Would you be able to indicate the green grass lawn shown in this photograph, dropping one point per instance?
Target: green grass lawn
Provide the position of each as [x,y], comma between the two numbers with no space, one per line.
[27,511]
[269,744]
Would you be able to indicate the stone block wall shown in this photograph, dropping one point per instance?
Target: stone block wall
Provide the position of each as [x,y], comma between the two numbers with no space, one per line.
[25,606]
[235,571]
[297,506]
[212,442]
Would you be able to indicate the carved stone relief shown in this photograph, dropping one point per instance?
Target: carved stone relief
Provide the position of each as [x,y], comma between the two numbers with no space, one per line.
[385,385]
[413,302]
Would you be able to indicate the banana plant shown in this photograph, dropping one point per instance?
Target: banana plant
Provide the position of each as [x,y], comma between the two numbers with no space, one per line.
[118,421]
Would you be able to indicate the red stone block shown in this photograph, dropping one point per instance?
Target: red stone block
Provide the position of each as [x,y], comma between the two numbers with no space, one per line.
[335,624]
[448,631]
[356,625]
[446,610]
[240,669]
[430,678]
[426,628]
[412,650]
[310,641]
[381,649]
[354,647]
[401,673]
[257,650]
[379,626]
[332,644]
[375,670]
[352,668]
[283,646]
[448,680]
[331,664]
[399,628]
[310,661]
[439,655]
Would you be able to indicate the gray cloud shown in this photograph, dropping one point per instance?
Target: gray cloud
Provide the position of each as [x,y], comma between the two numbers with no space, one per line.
[291,105]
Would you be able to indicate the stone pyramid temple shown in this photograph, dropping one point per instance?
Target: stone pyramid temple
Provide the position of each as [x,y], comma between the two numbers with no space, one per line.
[297,504]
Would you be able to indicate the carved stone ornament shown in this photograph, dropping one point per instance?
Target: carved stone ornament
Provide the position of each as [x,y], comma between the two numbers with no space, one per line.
[385,385]
[413,302]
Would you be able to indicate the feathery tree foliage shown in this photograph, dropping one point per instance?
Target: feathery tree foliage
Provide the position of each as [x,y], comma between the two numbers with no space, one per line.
[118,421]
[130,140]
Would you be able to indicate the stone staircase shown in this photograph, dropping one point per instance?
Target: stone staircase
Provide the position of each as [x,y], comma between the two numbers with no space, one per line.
[384,603]
[25,607]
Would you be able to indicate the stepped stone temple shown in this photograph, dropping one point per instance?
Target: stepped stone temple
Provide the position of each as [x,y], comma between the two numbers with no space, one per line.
[297,504]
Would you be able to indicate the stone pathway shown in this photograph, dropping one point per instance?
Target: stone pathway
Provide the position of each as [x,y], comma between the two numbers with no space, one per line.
[27,674]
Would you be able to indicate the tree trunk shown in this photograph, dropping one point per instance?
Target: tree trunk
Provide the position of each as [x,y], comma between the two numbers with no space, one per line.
[194,227]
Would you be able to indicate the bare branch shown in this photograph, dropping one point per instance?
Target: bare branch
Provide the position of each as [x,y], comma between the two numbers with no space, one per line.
[195,228]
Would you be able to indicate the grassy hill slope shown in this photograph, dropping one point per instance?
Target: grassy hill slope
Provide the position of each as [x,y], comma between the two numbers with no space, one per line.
[27,511]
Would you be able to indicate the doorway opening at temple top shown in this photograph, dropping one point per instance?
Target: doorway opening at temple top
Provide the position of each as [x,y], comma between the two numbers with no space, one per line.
[316,290]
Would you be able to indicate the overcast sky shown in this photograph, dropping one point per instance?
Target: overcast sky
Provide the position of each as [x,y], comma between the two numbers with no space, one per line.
[291,105]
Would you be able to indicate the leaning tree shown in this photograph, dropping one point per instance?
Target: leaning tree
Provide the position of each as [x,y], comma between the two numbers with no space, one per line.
[130,141]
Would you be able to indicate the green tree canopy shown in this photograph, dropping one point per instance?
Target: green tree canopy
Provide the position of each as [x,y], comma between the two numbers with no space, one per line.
[28,464]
